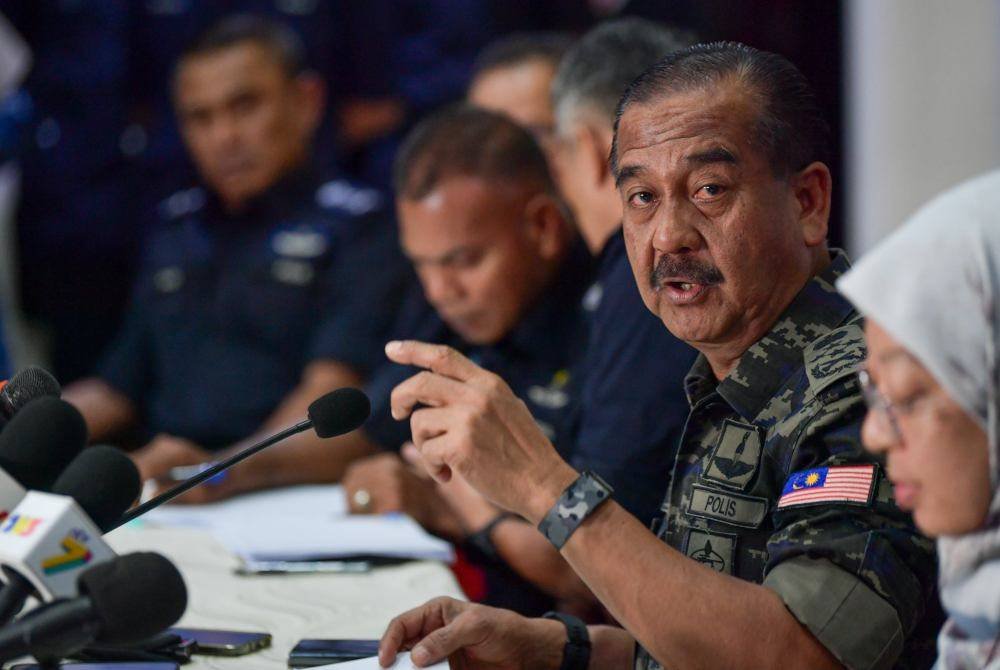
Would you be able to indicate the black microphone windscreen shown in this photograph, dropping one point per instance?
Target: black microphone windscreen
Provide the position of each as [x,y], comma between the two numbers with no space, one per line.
[103,481]
[40,441]
[339,412]
[134,596]
[30,383]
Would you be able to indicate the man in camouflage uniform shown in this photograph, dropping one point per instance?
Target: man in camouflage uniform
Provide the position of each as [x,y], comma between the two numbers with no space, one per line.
[718,155]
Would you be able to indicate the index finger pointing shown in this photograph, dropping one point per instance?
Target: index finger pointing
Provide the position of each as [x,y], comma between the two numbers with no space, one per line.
[435,357]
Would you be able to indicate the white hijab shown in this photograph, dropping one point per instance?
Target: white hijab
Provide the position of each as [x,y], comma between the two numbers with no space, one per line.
[934,285]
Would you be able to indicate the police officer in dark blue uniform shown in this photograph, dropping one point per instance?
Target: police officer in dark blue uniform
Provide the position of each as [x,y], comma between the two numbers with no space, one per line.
[504,273]
[632,375]
[262,290]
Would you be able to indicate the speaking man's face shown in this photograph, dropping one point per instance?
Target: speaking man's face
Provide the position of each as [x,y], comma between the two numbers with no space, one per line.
[711,232]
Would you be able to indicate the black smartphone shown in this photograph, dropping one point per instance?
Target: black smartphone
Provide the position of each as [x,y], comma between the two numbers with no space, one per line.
[310,653]
[223,642]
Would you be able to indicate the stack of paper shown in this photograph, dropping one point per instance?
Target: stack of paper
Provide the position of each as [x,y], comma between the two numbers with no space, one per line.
[303,523]
[303,538]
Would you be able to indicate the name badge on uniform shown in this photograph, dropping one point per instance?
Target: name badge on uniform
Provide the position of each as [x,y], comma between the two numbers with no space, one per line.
[716,550]
[731,508]
[735,459]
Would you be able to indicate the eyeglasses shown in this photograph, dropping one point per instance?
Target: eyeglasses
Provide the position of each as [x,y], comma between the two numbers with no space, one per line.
[881,407]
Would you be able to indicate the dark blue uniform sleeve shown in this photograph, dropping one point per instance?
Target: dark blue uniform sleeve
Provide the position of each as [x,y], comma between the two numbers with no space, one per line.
[416,320]
[632,405]
[381,428]
[366,286]
[127,363]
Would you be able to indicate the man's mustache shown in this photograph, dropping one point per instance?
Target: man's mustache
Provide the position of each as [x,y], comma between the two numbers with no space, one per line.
[684,269]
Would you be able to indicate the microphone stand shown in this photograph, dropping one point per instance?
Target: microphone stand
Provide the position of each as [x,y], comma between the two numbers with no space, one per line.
[208,473]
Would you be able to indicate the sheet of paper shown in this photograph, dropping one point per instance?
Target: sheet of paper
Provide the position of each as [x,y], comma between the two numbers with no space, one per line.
[304,538]
[303,523]
[403,662]
[294,501]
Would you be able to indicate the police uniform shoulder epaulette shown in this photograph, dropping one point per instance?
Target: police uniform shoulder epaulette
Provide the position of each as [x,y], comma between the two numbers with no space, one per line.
[342,195]
[834,356]
[182,203]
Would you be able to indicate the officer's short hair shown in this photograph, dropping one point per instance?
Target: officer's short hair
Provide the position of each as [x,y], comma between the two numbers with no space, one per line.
[789,128]
[284,43]
[462,140]
[523,47]
[600,66]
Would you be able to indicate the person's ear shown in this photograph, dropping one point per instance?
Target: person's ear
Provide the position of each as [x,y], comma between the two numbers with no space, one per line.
[812,189]
[310,96]
[546,225]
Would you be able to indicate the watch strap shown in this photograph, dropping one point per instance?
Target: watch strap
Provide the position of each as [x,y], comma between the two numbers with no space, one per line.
[482,539]
[576,653]
[576,503]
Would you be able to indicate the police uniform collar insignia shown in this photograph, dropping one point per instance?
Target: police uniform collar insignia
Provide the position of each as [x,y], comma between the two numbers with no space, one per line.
[343,195]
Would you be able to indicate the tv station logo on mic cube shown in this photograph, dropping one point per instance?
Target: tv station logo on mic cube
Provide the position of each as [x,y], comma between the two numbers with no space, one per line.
[48,539]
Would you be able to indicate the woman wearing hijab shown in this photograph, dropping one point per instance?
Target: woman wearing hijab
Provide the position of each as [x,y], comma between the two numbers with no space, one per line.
[931,295]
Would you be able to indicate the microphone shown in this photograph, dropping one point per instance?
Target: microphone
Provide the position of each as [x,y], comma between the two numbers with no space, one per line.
[35,447]
[40,440]
[333,414]
[104,482]
[30,383]
[125,600]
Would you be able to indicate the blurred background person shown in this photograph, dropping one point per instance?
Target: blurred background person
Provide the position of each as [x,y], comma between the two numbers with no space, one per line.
[631,406]
[513,75]
[931,295]
[257,293]
[501,277]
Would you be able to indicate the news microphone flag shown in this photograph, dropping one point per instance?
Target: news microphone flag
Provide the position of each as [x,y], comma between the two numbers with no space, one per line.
[851,484]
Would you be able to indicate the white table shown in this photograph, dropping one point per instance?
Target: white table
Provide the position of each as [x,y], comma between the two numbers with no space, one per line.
[290,607]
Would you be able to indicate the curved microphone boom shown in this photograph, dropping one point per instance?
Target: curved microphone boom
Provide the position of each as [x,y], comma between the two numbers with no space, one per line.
[333,414]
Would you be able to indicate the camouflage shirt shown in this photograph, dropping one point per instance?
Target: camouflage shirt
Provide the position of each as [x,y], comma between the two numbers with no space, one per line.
[846,561]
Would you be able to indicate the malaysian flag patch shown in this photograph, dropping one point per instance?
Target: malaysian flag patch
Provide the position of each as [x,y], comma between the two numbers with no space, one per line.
[851,484]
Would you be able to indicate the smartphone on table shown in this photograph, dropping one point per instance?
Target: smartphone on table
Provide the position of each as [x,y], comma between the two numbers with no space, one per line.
[310,653]
[223,642]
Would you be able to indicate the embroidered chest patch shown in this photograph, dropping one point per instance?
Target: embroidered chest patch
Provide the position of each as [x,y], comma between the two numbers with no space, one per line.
[851,484]
[736,456]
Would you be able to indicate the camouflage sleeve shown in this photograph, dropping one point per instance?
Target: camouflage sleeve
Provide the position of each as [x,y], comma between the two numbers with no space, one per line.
[857,574]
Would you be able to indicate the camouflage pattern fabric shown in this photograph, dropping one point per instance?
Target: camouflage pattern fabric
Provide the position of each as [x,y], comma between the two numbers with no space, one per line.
[856,574]
[575,504]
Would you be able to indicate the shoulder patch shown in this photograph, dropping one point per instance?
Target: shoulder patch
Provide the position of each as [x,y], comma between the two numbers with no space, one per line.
[345,196]
[836,355]
[182,203]
[844,484]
